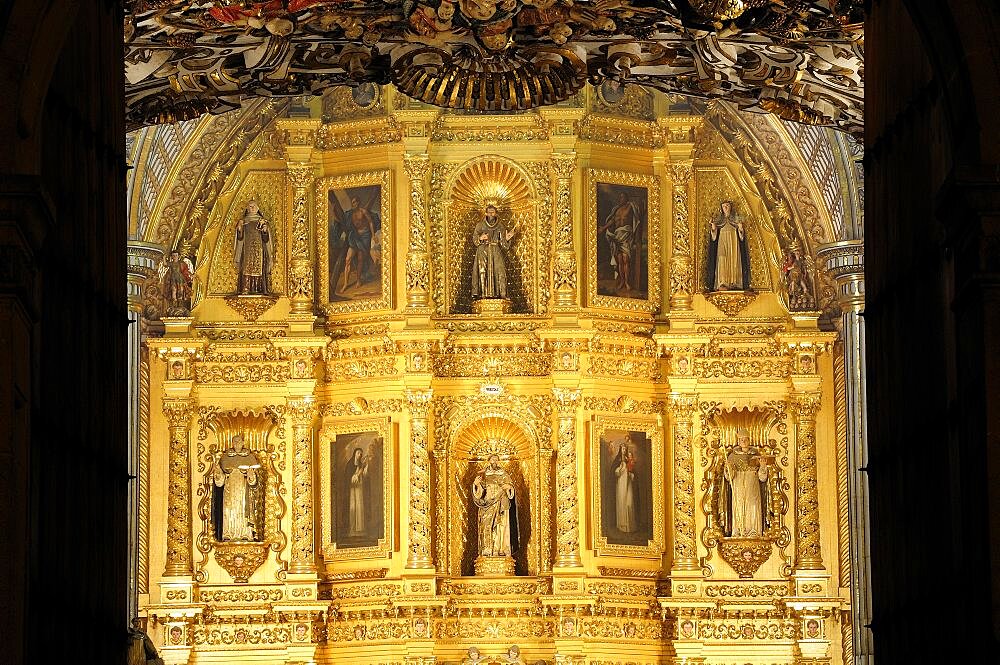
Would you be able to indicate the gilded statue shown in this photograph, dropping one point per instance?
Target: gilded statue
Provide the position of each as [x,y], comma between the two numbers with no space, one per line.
[744,506]
[494,496]
[253,253]
[491,238]
[728,251]
[236,477]
[473,657]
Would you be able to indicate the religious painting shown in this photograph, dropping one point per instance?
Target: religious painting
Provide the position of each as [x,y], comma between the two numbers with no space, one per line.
[356,463]
[629,487]
[354,236]
[623,230]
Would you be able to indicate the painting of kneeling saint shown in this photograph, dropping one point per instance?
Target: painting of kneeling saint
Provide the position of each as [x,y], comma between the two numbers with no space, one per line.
[356,469]
[622,247]
[355,243]
[626,487]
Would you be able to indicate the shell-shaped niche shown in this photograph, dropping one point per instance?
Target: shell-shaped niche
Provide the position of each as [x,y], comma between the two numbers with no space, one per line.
[492,435]
[492,181]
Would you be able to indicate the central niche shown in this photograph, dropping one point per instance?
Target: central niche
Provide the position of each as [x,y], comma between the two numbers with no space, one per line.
[484,183]
[494,447]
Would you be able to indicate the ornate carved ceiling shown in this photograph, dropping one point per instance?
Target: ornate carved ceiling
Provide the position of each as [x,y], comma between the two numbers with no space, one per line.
[802,60]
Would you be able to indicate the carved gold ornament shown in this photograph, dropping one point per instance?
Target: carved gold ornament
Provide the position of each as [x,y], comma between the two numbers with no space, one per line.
[240,560]
[184,59]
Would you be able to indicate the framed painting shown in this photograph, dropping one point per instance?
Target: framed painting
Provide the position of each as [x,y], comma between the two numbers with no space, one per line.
[354,234]
[623,241]
[356,477]
[628,487]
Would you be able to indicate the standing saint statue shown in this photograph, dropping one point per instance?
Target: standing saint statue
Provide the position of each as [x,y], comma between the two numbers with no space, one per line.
[728,251]
[489,269]
[235,475]
[744,471]
[253,253]
[494,497]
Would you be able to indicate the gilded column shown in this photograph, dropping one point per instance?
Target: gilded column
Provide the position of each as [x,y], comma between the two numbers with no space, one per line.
[807,553]
[420,481]
[302,411]
[567,506]
[681,258]
[417,262]
[300,283]
[564,268]
[178,413]
[681,409]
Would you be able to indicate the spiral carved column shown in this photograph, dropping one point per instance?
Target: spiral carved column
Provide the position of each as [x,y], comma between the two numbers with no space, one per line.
[417,262]
[681,259]
[564,267]
[419,402]
[681,409]
[807,552]
[178,413]
[568,515]
[303,555]
[300,285]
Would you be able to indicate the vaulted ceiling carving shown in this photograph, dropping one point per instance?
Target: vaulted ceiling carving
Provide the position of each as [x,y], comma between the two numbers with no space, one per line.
[799,59]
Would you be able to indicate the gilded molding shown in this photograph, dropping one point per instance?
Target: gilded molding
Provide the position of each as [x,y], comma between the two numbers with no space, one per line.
[568,509]
[682,409]
[178,413]
[682,258]
[143,544]
[419,557]
[418,275]
[302,412]
[300,278]
[564,267]
[808,555]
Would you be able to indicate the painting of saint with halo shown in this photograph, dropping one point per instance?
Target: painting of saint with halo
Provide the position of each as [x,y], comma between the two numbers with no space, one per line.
[622,241]
[626,487]
[355,243]
[356,469]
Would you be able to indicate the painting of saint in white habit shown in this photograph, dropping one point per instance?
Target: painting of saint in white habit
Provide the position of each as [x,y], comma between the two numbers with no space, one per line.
[626,488]
[357,499]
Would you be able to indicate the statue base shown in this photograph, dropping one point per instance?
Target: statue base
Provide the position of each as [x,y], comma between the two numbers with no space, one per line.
[491,306]
[494,566]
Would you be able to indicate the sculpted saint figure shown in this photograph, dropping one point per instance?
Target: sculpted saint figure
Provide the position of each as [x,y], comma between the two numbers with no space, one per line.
[493,495]
[489,270]
[234,475]
[728,251]
[744,471]
[253,253]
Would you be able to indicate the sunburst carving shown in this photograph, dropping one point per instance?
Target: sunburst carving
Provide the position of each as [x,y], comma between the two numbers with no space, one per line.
[492,436]
[492,182]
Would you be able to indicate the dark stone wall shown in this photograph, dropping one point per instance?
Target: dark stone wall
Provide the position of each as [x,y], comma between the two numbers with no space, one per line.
[932,317]
[63,473]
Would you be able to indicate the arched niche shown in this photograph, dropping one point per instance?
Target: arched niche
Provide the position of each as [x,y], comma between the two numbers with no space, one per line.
[520,193]
[467,434]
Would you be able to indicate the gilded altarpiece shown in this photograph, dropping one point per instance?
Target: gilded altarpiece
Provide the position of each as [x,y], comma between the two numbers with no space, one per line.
[671,458]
